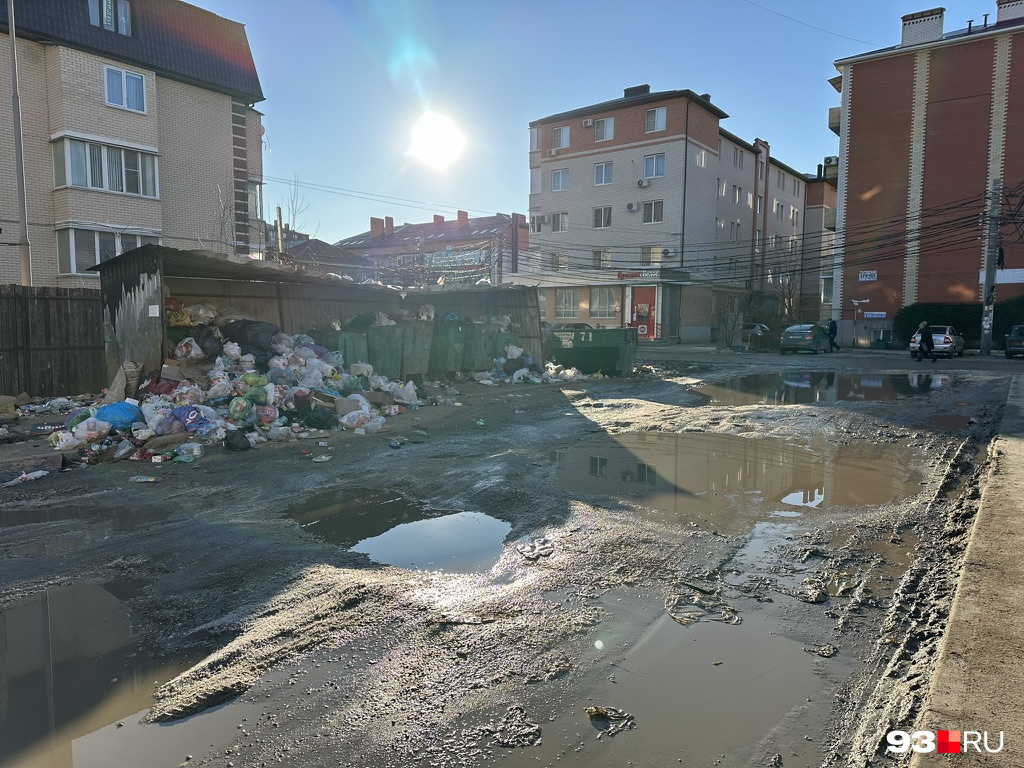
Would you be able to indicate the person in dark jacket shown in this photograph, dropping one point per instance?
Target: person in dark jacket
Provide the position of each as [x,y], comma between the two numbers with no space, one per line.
[833,331]
[927,343]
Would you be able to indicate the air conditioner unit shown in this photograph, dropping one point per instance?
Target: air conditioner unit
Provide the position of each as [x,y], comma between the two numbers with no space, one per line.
[630,206]
[588,123]
[643,183]
[544,219]
[832,160]
[552,152]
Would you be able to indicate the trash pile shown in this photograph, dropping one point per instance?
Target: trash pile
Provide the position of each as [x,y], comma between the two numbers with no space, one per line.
[517,367]
[233,380]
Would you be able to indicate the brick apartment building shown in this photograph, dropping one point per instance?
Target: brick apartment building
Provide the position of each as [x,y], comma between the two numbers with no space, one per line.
[644,211]
[460,250]
[926,127]
[137,126]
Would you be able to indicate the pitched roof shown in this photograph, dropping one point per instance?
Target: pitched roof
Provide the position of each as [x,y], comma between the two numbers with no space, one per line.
[434,236]
[177,40]
[633,100]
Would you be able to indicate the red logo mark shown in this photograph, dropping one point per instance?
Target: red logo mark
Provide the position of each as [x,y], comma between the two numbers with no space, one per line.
[949,742]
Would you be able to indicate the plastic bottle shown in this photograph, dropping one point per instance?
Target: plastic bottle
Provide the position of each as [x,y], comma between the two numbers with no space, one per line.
[194,450]
[144,479]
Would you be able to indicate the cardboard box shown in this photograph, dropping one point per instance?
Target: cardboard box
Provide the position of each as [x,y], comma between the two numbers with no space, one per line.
[345,405]
[170,371]
[321,400]
[379,398]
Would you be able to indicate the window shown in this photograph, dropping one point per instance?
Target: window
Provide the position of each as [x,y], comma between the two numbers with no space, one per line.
[654,120]
[534,139]
[760,170]
[535,182]
[737,194]
[654,165]
[604,129]
[650,255]
[602,302]
[599,466]
[542,303]
[560,180]
[780,211]
[646,474]
[737,157]
[602,174]
[826,290]
[567,303]
[653,212]
[721,187]
[559,262]
[760,204]
[125,89]
[700,157]
[112,15]
[560,221]
[560,137]
[79,249]
[84,164]
[796,188]
[601,260]
[780,179]
[535,225]
[794,216]
[602,217]
[757,241]
[734,230]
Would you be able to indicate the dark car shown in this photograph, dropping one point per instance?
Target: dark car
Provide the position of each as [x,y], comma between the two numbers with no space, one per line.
[809,337]
[572,326]
[1015,341]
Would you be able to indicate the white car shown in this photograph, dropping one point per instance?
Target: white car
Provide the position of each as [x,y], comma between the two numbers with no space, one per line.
[945,338]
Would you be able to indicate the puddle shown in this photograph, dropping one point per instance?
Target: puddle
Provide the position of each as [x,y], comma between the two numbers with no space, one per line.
[69,665]
[727,482]
[805,387]
[394,530]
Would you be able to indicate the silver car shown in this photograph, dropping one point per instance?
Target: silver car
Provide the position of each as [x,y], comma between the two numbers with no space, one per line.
[945,338]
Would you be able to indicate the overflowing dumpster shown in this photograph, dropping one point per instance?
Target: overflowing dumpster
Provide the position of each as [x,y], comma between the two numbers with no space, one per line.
[611,351]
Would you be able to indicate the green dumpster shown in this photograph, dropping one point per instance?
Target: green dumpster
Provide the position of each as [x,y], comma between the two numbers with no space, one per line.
[502,340]
[384,344]
[446,349]
[417,336]
[611,351]
[478,353]
[352,345]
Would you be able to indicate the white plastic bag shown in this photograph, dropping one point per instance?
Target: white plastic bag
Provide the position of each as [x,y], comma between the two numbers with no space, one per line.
[379,382]
[325,368]
[92,429]
[231,350]
[65,441]
[512,352]
[310,377]
[364,404]
[355,419]
[278,361]
[374,425]
[406,394]
[155,410]
[519,375]
[361,369]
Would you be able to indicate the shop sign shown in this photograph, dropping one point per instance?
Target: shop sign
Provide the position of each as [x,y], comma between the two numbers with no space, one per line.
[868,276]
[644,274]
[874,315]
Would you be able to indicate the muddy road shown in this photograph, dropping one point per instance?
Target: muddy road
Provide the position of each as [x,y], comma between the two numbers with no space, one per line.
[732,560]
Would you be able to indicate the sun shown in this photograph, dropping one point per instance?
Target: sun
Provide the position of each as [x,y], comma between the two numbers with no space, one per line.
[436,140]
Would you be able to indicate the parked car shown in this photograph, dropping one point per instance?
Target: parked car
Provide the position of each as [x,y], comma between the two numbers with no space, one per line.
[572,326]
[807,336]
[945,338]
[757,337]
[1015,341]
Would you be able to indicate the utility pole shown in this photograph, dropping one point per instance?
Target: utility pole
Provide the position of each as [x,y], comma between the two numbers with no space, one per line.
[515,243]
[988,293]
[19,156]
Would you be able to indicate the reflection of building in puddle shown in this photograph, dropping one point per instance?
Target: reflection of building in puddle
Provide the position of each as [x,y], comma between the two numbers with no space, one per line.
[733,478]
[51,667]
[809,387]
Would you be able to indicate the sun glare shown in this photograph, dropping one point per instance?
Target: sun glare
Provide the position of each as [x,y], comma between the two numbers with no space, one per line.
[436,140]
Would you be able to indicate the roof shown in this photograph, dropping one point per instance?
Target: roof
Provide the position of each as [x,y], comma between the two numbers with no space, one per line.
[632,101]
[175,39]
[434,236]
[214,266]
[319,252]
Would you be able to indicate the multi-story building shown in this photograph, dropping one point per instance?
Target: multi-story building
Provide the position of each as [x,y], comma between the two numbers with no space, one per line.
[459,250]
[138,126]
[926,129]
[644,211]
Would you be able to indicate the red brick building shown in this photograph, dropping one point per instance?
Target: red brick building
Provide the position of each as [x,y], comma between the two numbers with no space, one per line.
[926,128]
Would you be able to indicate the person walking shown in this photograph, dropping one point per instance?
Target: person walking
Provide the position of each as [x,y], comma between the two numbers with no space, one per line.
[927,343]
[833,331]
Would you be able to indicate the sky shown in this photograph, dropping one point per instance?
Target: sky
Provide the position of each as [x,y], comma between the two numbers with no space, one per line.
[346,82]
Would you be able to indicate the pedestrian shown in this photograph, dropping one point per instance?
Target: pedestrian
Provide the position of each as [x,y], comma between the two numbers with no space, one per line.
[833,331]
[927,343]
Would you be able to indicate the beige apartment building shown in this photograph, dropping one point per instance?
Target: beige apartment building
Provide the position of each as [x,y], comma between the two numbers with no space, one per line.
[646,212]
[138,127]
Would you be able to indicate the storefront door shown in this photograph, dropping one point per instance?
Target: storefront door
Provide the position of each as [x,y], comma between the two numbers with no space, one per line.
[645,311]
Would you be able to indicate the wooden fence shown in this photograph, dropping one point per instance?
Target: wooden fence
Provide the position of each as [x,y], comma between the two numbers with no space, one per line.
[51,341]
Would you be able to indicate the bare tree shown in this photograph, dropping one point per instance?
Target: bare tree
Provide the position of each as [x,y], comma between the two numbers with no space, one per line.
[294,205]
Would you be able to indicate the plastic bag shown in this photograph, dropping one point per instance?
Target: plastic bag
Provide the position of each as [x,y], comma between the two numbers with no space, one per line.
[512,352]
[235,440]
[189,349]
[278,361]
[282,376]
[382,321]
[202,314]
[92,429]
[315,348]
[325,368]
[379,382]
[282,343]
[364,404]
[427,312]
[219,390]
[239,409]
[361,369]
[121,415]
[406,394]
[334,358]
[279,434]
[374,425]
[355,419]
[232,350]
[193,419]
[310,377]
[65,441]
[155,410]
[265,414]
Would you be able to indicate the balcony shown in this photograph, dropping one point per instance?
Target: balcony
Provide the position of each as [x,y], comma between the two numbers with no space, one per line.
[834,119]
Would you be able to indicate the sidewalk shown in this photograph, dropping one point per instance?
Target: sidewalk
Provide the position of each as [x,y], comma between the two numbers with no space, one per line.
[978,683]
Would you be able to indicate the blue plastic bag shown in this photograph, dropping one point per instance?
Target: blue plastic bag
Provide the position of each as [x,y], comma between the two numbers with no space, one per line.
[120,415]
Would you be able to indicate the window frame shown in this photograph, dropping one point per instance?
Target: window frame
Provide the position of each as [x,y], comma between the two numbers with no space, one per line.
[68,247]
[560,137]
[600,309]
[560,221]
[560,180]
[124,75]
[606,124]
[607,173]
[656,166]
[602,216]
[656,208]
[658,116]
[567,303]
[600,259]
[113,174]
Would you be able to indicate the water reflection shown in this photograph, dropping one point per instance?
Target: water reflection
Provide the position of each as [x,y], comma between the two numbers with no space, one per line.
[805,387]
[69,664]
[729,478]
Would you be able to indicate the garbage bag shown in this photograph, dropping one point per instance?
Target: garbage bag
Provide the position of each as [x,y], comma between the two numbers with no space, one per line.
[235,440]
[155,410]
[202,313]
[92,429]
[321,418]
[239,409]
[232,351]
[361,322]
[207,340]
[121,415]
[406,394]
[374,425]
